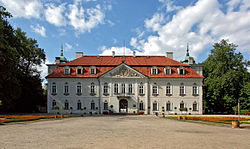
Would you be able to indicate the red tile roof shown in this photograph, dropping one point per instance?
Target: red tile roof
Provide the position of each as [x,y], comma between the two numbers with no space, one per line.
[142,64]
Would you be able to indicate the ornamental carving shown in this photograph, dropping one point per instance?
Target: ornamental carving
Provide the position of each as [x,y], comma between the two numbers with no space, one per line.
[123,71]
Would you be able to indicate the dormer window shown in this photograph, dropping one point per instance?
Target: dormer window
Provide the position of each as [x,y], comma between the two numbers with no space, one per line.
[181,71]
[67,70]
[92,70]
[79,70]
[168,70]
[154,70]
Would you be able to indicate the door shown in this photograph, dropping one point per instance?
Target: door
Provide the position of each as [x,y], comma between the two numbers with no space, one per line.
[123,106]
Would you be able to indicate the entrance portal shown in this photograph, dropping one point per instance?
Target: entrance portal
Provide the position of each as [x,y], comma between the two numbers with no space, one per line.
[123,106]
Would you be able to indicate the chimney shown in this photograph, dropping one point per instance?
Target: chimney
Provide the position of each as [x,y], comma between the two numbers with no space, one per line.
[134,52]
[79,54]
[169,55]
[57,60]
[113,53]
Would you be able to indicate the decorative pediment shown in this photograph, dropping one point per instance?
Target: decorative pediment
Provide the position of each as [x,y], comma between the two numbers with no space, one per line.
[123,71]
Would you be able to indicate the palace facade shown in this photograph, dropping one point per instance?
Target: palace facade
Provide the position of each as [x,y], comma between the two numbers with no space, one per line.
[125,84]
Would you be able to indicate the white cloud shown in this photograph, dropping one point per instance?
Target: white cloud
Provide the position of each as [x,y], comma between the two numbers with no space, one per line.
[43,69]
[84,19]
[39,30]
[68,47]
[169,5]
[200,25]
[118,51]
[23,8]
[54,14]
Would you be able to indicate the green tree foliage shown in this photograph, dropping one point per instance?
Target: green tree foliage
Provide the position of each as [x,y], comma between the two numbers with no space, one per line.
[226,79]
[20,83]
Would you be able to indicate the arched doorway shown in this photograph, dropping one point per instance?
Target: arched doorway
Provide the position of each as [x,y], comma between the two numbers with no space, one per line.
[123,106]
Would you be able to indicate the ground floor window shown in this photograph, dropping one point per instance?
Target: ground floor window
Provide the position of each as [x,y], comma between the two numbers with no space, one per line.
[105,106]
[168,107]
[66,105]
[92,106]
[53,104]
[195,107]
[181,105]
[141,106]
[155,107]
[79,105]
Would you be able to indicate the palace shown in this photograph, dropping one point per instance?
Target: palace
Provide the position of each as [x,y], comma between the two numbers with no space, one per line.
[125,84]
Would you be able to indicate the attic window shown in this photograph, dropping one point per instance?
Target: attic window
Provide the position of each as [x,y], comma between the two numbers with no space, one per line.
[154,70]
[79,70]
[92,70]
[181,71]
[168,70]
[66,70]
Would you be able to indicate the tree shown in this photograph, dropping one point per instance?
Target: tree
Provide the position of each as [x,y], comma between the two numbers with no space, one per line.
[225,77]
[19,79]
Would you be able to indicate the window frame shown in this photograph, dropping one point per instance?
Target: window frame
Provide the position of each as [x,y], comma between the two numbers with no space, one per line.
[92,88]
[157,108]
[92,70]
[105,88]
[130,88]
[66,105]
[168,70]
[141,88]
[182,89]
[168,106]
[79,88]
[116,88]
[123,86]
[154,70]
[79,68]
[79,105]
[195,90]
[66,88]
[68,70]
[105,106]
[168,89]
[155,88]
[92,106]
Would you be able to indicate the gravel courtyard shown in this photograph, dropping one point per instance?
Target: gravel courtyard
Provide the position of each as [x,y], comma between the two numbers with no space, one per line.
[120,132]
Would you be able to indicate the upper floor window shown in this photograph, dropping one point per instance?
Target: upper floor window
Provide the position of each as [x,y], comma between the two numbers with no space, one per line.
[53,88]
[168,70]
[115,88]
[195,89]
[79,88]
[92,88]
[66,88]
[182,89]
[92,70]
[168,89]
[155,89]
[105,88]
[67,70]
[123,89]
[181,71]
[79,70]
[154,70]
[130,88]
[141,89]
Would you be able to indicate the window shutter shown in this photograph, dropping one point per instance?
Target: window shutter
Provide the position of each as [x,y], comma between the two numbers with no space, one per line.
[198,90]
[170,70]
[184,88]
[178,70]
[157,89]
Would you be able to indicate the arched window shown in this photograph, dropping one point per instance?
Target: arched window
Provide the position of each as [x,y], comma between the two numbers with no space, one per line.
[92,70]
[66,88]
[195,106]
[79,105]
[115,88]
[53,88]
[182,89]
[195,89]
[155,89]
[105,88]
[92,88]
[53,104]
[79,88]
[141,89]
[168,89]
[154,70]
[66,105]
[168,70]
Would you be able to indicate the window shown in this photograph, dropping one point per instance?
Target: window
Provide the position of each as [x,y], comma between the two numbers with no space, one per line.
[182,89]
[66,105]
[53,88]
[168,70]
[195,107]
[168,106]
[182,105]
[53,104]
[92,70]
[105,106]
[115,88]
[79,88]
[79,70]
[92,88]
[181,71]
[154,71]
[105,88]
[155,106]
[141,107]
[79,105]
[168,89]
[67,70]
[141,89]
[92,106]
[130,88]
[66,88]
[155,89]
[123,89]
[195,89]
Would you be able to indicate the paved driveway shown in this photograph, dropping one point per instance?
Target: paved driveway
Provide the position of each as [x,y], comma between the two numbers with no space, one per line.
[120,132]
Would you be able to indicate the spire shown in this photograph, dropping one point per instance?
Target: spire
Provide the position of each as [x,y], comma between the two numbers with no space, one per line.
[187,50]
[62,50]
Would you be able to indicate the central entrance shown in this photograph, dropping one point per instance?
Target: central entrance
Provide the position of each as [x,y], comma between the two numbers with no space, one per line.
[123,106]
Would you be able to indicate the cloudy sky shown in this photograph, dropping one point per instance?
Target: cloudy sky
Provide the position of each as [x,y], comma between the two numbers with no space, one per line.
[150,27]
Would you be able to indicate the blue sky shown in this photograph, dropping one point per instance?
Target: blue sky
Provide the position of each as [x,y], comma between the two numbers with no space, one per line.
[149,27]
